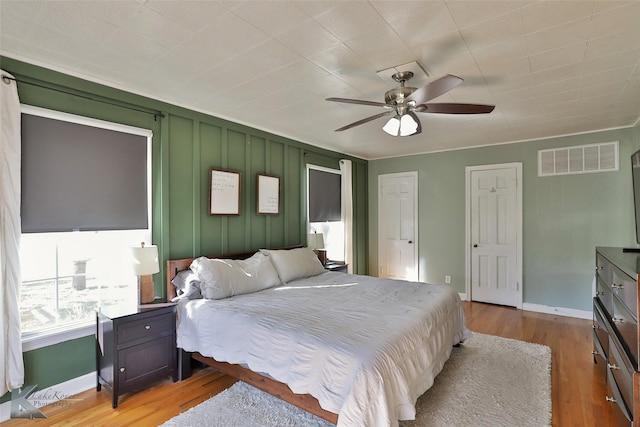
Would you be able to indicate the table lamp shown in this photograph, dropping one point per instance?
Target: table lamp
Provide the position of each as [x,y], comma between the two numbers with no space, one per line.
[145,264]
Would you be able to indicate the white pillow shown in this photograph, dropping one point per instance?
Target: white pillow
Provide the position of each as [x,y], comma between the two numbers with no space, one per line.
[293,264]
[187,285]
[222,278]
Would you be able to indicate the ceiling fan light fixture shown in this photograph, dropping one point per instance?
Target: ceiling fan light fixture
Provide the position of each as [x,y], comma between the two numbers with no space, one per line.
[404,125]
[408,125]
[392,127]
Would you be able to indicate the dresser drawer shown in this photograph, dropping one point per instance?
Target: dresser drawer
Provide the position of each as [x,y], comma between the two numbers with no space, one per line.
[626,289]
[145,328]
[604,294]
[599,356]
[603,269]
[622,371]
[621,413]
[600,330]
[627,328]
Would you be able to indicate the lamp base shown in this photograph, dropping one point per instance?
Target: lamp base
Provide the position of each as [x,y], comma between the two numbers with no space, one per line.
[146,289]
[322,255]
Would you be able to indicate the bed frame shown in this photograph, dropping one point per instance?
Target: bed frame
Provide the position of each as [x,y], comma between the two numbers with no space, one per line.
[273,387]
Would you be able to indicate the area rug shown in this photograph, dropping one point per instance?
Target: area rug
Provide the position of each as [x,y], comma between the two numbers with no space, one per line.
[488,381]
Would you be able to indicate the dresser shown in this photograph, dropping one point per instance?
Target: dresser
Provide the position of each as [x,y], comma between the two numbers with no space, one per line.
[616,343]
[135,347]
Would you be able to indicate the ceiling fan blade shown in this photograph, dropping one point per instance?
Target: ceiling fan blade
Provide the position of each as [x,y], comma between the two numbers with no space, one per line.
[359,101]
[365,120]
[454,108]
[415,117]
[434,89]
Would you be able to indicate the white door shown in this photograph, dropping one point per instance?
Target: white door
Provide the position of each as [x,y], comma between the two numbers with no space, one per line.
[397,227]
[494,234]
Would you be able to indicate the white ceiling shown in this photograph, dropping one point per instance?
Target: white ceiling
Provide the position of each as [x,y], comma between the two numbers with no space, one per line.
[550,67]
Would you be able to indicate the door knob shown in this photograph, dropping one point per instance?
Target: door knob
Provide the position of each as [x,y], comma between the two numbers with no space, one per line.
[475,245]
[410,241]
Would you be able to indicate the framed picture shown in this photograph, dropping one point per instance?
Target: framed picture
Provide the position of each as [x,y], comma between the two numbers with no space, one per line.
[268,198]
[224,192]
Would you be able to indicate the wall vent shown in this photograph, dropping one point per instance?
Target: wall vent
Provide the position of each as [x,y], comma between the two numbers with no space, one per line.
[602,157]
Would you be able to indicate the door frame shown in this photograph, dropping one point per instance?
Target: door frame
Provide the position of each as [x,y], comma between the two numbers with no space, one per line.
[519,188]
[413,175]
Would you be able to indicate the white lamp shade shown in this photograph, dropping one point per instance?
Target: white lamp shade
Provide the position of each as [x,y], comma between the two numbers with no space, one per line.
[401,126]
[315,241]
[145,260]
[408,125]
[392,127]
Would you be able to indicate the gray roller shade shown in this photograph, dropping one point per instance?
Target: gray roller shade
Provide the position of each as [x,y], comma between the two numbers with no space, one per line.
[77,177]
[324,196]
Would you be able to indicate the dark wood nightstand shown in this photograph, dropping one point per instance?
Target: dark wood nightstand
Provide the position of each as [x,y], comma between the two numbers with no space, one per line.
[336,266]
[135,347]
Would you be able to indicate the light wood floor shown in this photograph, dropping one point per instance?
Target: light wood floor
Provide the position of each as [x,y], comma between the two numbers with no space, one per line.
[578,390]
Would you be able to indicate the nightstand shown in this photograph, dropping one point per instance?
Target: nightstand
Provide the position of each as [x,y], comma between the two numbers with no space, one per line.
[135,347]
[336,266]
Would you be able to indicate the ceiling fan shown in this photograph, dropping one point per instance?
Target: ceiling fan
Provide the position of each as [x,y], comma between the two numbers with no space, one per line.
[406,101]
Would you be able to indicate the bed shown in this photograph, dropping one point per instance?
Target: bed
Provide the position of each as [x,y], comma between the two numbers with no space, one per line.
[355,350]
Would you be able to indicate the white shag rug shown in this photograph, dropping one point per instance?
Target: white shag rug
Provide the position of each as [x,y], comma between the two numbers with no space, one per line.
[488,381]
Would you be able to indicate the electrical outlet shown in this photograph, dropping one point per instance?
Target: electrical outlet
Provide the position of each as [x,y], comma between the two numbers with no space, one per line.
[447,279]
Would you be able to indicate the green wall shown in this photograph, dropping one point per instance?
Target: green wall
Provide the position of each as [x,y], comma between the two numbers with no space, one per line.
[564,217]
[186,144]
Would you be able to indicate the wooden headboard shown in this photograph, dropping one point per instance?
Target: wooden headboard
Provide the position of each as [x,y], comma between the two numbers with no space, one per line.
[176,265]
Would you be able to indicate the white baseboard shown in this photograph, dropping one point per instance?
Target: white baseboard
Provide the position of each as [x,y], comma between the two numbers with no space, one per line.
[539,308]
[560,311]
[55,393]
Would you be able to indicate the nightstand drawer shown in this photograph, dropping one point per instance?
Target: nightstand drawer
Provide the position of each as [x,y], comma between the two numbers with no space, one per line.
[147,328]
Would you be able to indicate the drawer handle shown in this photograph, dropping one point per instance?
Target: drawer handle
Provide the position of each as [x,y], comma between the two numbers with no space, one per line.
[613,366]
[121,369]
[595,353]
[616,286]
[618,320]
[610,399]
[147,327]
[598,293]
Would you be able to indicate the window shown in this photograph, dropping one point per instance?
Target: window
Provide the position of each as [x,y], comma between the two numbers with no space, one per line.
[324,210]
[85,202]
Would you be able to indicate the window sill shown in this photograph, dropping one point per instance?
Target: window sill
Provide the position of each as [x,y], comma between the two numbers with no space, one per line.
[36,340]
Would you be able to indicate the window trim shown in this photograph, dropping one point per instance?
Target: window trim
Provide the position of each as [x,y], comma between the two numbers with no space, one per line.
[82,120]
[57,335]
[80,329]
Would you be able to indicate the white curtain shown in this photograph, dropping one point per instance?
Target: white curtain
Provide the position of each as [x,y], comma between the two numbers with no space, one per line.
[347,211]
[12,374]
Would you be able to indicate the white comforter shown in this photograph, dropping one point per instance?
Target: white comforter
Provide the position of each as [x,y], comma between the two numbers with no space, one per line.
[365,347]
